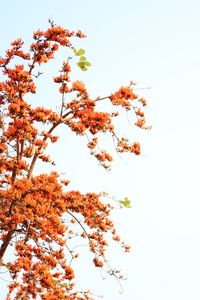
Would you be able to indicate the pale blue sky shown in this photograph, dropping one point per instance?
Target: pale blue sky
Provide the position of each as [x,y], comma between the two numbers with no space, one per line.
[157,44]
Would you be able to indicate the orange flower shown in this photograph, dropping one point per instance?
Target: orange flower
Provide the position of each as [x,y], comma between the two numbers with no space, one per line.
[78,86]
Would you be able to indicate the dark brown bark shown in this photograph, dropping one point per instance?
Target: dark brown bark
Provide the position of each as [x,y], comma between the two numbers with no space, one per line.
[6,243]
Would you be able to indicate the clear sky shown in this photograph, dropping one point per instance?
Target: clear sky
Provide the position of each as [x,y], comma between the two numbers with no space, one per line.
[157,44]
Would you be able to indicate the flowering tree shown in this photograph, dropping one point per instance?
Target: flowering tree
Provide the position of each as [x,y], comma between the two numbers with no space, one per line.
[34,209]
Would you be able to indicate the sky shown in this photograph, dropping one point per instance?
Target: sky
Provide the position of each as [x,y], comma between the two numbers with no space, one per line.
[156,44]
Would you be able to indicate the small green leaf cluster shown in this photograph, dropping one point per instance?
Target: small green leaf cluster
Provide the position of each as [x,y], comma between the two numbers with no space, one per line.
[126,202]
[83,63]
[65,284]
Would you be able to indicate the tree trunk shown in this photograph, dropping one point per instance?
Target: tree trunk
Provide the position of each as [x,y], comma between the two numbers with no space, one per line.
[6,243]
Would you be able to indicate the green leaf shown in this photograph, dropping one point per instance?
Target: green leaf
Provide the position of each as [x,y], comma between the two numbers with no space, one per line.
[82,58]
[82,66]
[126,202]
[80,52]
[7,266]
[87,63]
[74,50]
[65,284]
